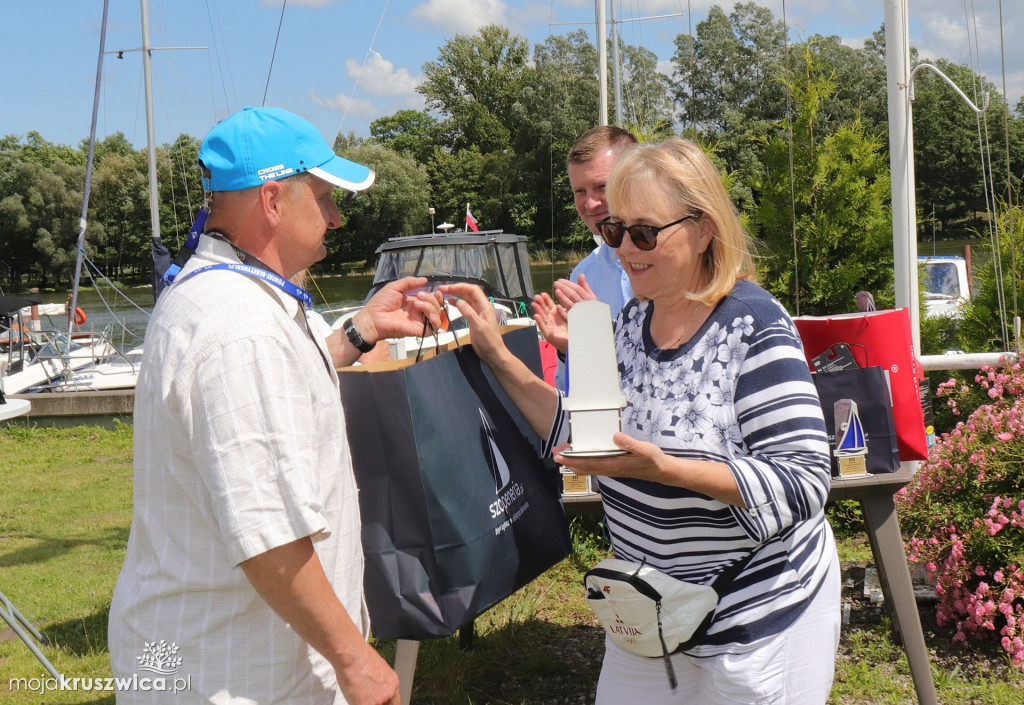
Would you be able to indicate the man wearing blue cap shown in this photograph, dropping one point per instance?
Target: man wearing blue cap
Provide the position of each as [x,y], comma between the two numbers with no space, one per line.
[243,576]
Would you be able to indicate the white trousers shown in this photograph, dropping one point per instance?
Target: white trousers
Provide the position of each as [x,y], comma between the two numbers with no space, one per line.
[795,667]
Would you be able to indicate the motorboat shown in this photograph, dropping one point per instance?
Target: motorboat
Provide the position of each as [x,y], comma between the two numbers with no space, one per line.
[496,261]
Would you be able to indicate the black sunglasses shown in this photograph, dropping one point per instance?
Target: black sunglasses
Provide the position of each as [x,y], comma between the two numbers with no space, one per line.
[645,237]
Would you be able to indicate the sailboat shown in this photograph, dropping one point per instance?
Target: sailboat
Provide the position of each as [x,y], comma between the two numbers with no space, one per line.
[108,368]
[32,358]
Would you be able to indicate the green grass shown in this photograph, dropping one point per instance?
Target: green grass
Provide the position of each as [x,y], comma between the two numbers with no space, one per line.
[65,510]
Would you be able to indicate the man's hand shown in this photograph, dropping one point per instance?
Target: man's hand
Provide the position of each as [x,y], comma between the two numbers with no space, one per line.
[551,320]
[570,293]
[392,313]
[291,580]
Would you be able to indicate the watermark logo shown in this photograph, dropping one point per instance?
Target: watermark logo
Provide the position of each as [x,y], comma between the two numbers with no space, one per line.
[46,684]
[160,657]
[157,657]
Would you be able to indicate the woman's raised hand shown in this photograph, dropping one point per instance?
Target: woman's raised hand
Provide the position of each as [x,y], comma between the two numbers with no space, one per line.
[478,311]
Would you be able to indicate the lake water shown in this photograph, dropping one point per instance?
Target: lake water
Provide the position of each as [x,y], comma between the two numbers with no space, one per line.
[128,322]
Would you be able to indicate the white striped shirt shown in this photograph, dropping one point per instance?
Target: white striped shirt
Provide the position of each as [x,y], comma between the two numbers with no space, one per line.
[739,392]
[240,447]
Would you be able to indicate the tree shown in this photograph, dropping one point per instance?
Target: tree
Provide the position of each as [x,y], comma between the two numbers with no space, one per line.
[120,205]
[113,144]
[727,80]
[413,133]
[40,205]
[840,189]
[15,239]
[458,178]
[731,65]
[180,187]
[559,106]
[395,205]
[39,151]
[53,205]
[859,77]
[647,107]
[476,82]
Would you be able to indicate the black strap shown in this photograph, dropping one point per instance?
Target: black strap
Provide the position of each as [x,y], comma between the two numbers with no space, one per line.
[720,585]
[437,339]
[665,656]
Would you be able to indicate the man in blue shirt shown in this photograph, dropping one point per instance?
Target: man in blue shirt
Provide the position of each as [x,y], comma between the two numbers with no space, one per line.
[599,275]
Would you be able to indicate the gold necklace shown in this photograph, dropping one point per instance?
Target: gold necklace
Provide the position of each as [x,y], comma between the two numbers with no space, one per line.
[694,305]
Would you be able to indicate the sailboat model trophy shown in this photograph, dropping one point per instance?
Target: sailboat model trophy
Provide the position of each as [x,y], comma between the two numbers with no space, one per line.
[851,445]
[595,400]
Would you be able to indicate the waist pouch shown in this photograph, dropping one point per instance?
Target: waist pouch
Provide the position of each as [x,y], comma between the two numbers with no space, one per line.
[649,613]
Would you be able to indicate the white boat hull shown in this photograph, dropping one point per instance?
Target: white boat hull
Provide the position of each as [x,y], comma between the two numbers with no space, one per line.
[117,373]
[14,407]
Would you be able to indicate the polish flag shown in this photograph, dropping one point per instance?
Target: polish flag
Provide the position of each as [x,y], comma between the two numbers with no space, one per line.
[471,221]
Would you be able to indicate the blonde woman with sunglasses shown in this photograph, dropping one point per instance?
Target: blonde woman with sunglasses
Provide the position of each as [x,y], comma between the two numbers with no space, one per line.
[727,452]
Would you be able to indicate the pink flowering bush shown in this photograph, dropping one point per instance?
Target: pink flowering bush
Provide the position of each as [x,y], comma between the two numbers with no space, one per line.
[963,514]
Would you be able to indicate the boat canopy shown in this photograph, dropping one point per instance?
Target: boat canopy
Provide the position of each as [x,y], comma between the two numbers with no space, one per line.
[13,304]
[495,260]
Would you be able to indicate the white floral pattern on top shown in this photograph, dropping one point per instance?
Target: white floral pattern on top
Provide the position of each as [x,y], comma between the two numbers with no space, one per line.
[683,399]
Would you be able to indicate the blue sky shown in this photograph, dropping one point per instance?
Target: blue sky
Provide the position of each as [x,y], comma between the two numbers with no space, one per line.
[343,63]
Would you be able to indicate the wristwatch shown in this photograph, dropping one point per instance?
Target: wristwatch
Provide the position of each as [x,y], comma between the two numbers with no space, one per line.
[355,338]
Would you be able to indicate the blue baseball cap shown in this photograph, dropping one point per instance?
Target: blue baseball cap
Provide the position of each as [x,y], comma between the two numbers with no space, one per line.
[264,144]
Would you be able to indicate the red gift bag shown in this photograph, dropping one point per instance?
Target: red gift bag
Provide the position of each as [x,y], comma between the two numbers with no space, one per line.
[878,338]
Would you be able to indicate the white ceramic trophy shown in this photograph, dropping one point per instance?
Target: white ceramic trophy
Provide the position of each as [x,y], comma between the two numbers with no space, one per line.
[595,400]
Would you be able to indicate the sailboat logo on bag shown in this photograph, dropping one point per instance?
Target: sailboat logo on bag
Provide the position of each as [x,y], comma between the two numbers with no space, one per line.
[499,468]
[508,492]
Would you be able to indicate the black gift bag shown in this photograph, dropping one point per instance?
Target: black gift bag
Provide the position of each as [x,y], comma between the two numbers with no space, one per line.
[866,386]
[458,509]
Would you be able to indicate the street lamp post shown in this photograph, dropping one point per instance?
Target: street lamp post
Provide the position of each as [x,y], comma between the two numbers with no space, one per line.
[432,211]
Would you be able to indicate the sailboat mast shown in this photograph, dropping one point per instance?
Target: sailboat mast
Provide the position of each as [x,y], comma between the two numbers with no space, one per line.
[901,162]
[83,219]
[616,66]
[602,63]
[147,71]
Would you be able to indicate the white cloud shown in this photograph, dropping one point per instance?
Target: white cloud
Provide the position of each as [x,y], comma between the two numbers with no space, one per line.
[946,31]
[461,16]
[347,105]
[364,110]
[378,76]
[854,42]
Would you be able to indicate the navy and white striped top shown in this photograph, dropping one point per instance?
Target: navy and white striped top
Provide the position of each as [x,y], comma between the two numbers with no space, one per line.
[739,392]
